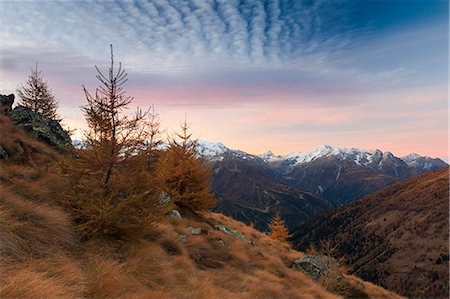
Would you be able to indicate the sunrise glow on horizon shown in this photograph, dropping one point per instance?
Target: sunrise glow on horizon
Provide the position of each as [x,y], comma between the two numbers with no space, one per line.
[284,76]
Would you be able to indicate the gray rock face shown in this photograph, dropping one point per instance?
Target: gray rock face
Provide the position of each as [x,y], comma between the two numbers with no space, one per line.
[6,102]
[42,128]
[316,267]
[325,270]
[233,233]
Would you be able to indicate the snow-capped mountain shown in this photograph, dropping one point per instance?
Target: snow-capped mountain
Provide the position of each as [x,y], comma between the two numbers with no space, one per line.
[357,156]
[423,163]
[385,162]
[216,151]
[375,159]
[339,174]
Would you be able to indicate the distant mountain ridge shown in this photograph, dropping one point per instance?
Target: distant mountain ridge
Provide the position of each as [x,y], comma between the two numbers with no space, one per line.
[371,158]
[252,188]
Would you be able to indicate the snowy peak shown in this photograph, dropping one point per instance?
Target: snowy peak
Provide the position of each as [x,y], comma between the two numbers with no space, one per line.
[411,157]
[216,151]
[360,157]
[211,149]
[270,157]
[423,163]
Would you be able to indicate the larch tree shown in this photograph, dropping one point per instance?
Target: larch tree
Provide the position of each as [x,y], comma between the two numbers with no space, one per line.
[278,229]
[113,136]
[113,193]
[185,176]
[37,95]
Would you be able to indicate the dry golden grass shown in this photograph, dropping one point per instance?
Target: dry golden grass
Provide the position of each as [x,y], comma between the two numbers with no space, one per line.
[56,276]
[29,229]
[374,291]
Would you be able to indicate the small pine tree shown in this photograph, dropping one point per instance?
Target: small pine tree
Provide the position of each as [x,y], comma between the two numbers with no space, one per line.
[184,176]
[278,230]
[37,95]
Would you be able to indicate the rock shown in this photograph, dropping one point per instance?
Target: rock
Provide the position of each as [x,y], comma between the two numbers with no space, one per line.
[6,103]
[220,242]
[233,233]
[164,198]
[193,231]
[175,213]
[42,128]
[325,270]
[3,154]
[183,238]
[316,266]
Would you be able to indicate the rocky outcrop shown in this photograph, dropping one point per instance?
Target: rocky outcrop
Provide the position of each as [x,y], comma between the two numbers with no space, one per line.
[316,267]
[325,270]
[42,128]
[234,233]
[6,102]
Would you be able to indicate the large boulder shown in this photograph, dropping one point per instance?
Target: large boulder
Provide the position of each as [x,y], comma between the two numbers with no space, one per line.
[44,129]
[316,267]
[6,102]
[325,270]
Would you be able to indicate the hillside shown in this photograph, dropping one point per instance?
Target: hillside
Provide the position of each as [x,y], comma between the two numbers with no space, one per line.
[396,237]
[204,255]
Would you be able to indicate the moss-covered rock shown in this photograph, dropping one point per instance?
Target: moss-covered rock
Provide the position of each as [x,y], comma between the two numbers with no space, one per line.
[42,128]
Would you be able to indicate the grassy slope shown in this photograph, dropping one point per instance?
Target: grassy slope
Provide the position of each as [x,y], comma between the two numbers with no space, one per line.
[396,237]
[42,257]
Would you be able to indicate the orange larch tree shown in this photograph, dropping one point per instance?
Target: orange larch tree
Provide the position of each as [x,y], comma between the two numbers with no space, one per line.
[278,229]
[185,176]
[114,192]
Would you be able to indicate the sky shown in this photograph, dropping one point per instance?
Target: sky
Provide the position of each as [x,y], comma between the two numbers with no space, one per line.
[277,75]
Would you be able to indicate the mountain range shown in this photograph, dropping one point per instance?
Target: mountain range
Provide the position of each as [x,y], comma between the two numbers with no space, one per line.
[251,188]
